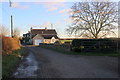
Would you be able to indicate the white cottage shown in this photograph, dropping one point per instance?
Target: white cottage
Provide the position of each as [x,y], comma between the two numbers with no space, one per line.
[42,36]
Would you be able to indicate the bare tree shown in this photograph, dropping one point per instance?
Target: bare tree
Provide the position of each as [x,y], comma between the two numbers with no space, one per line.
[3,30]
[93,19]
[16,32]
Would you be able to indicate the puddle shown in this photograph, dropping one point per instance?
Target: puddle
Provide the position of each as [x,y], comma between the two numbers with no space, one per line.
[27,68]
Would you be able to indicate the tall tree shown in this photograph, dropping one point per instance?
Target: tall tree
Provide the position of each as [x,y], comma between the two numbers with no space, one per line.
[93,19]
[3,30]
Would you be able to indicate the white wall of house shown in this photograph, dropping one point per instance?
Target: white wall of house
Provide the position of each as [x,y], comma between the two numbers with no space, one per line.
[37,39]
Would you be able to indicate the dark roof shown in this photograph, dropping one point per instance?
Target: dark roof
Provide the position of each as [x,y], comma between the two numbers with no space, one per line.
[26,34]
[50,36]
[68,38]
[43,31]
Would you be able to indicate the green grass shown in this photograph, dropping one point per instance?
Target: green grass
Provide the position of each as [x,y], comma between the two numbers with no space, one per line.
[10,62]
[63,41]
[115,54]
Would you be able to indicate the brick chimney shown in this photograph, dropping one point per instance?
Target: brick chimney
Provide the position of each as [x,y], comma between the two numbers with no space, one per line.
[46,28]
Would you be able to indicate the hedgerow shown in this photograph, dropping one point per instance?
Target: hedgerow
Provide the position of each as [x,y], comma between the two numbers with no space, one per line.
[9,44]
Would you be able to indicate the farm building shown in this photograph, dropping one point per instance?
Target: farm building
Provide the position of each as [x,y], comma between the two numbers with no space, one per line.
[37,36]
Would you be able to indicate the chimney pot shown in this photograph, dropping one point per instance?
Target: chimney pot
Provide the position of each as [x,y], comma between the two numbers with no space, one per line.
[45,28]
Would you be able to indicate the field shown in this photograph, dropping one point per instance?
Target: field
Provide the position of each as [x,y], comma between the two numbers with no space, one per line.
[63,41]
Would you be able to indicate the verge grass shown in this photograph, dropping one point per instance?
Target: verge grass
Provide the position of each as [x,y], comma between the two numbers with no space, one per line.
[10,62]
[115,54]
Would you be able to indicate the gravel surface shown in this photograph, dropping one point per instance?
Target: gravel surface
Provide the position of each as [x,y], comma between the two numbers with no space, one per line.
[54,64]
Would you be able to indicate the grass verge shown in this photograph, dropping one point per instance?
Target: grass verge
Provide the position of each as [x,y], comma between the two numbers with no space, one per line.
[115,54]
[10,62]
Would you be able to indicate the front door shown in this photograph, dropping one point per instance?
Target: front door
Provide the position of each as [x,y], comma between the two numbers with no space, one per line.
[37,41]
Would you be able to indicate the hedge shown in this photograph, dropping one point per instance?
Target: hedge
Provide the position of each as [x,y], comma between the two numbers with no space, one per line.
[10,44]
[95,44]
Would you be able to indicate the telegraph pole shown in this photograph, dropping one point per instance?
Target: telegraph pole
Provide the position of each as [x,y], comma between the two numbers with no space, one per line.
[11,26]
[11,21]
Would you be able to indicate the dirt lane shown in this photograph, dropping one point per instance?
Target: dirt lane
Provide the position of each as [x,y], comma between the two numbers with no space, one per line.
[27,68]
[57,65]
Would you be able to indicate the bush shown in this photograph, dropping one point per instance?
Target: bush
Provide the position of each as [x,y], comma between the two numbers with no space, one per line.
[10,44]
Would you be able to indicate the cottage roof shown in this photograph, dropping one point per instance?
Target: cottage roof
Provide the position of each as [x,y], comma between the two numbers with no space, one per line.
[38,36]
[45,36]
[50,36]
[43,31]
[26,34]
